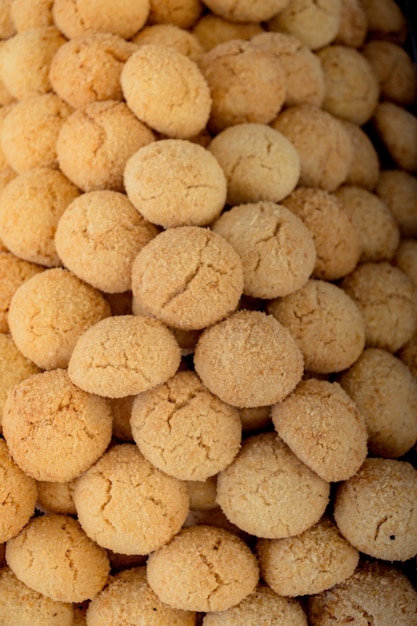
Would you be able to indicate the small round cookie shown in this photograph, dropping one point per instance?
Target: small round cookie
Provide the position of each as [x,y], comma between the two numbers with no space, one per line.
[376,511]
[246,10]
[247,84]
[126,504]
[304,78]
[277,251]
[351,84]
[175,182]
[378,232]
[248,359]
[184,430]
[98,237]
[259,163]
[208,569]
[385,392]
[123,356]
[95,143]
[315,24]
[405,258]
[171,35]
[87,69]
[268,492]
[22,605]
[38,13]
[324,427]
[262,606]
[54,430]
[385,20]
[308,563]
[398,189]
[49,312]
[189,277]
[212,29]
[25,149]
[53,556]
[397,129]
[377,590]
[18,494]
[353,24]
[30,208]
[56,497]
[323,146]
[335,237]
[326,324]
[182,13]
[153,91]
[76,18]
[364,169]
[387,300]
[13,273]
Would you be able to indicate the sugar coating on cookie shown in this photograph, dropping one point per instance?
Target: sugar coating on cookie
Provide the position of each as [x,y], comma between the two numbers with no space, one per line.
[277,251]
[248,359]
[364,168]
[98,237]
[184,430]
[308,563]
[124,355]
[87,69]
[387,300]
[53,556]
[18,494]
[126,504]
[128,597]
[259,163]
[323,426]
[326,324]
[171,35]
[30,208]
[375,510]
[208,568]
[175,182]
[398,189]
[55,430]
[189,277]
[353,24]
[335,237]
[13,272]
[211,29]
[323,146]
[56,497]
[38,13]
[166,91]
[268,492]
[397,129]
[95,143]
[49,312]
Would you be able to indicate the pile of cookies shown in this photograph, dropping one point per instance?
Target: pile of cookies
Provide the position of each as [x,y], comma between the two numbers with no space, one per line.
[208,313]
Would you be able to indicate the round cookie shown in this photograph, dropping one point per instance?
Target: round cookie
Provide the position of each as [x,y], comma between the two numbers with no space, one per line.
[308,563]
[397,129]
[375,510]
[277,251]
[353,24]
[248,359]
[175,182]
[128,597]
[385,392]
[49,312]
[364,168]
[323,145]
[208,568]
[53,556]
[155,95]
[335,238]
[35,15]
[88,69]
[268,492]
[126,504]
[245,10]
[189,277]
[385,20]
[326,324]
[259,163]
[95,143]
[13,273]
[124,355]
[18,494]
[212,29]
[405,258]
[182,13]
[387,300]
[98,238]
[398,189]
[54,430]
[56,497]
[184,430]
[171,35]
[30,208]
[324,428]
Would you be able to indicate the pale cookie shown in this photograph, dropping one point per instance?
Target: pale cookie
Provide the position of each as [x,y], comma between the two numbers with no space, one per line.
[173,36]
[35,15]
[124,355]
[13,273]
[364,168]
[212,29]
[398,189]
[397,129]
[56,497]
[53,556]
[54,430]
[246,10]
[208,569]
[126,504]
[353,24]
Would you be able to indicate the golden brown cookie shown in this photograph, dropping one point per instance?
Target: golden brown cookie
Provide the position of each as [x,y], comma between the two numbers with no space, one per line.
[385,20]
[245,10]
[171,35]
[405,258]
[397,129]
[13,273]
[38,13]
[398,189]
[211,29]
[364,168]
[353,24]
[182,13]
[56,497]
